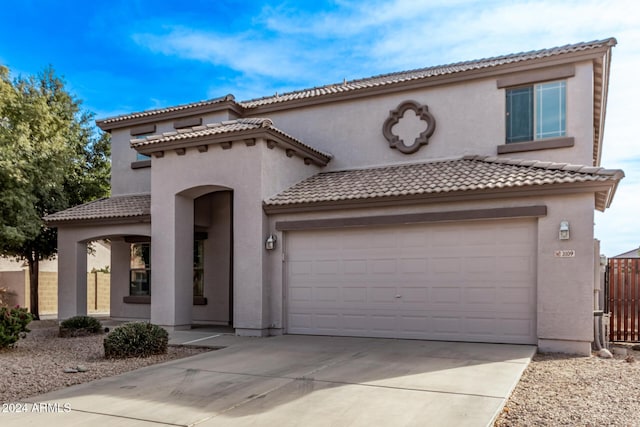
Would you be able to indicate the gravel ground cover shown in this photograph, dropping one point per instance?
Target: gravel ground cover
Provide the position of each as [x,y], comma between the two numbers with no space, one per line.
[560,390]
[36,364]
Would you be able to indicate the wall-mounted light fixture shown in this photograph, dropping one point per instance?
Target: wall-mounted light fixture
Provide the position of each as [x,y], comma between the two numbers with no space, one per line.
[564,230]
[270,243]
[603,260]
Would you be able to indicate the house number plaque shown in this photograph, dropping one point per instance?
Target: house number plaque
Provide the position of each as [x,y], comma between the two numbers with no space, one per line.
[566,253]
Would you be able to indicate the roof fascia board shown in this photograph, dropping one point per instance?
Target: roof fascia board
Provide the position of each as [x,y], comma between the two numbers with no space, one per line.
[606,70]
[171,115]
[532,191]
[534,211]
[99,221]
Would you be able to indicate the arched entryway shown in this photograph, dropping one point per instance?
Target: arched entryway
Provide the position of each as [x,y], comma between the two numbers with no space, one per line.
[192,258]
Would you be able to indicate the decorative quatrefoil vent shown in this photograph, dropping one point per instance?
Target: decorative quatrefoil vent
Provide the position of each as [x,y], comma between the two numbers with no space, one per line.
[422,113]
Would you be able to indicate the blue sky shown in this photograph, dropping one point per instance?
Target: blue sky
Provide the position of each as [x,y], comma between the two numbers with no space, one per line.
[123,56]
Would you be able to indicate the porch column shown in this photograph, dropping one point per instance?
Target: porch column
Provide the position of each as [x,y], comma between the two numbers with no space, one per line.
[72,276]
[172,261]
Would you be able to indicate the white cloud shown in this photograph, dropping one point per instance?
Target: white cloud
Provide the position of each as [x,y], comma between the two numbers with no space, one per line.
[244,52]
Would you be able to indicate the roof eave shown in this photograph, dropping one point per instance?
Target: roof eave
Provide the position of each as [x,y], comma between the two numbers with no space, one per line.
[603,65]
[110,124]
[603,187]
[283,141]
[438,80]
[98,221]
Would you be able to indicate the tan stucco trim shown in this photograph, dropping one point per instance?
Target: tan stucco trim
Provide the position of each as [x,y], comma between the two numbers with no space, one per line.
[140,164]
[187,123]
[537,76]
[542,144]
[100,221]
[142,130]
[454,196]
[137,299]
[444,216]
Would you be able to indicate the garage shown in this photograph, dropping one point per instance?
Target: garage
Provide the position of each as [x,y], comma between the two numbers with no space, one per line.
[455,281]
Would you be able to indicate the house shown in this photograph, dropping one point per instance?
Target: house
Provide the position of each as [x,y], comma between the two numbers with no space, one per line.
[634,253]
[452,203]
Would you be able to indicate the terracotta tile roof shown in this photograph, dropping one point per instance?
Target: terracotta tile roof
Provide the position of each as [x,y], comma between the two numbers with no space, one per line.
[465,175]
[429,72]
[226,127]
[381,80]
[158,111]
[117,207]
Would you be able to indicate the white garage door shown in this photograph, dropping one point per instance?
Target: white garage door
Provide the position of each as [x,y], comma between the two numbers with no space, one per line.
[471,281]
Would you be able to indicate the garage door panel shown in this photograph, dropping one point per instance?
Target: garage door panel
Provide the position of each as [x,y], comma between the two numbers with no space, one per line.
[384,266]
[300,267]
[327,267]
[354,295]
[354,266]
[408,266]
[415,295]
[463,281]
[480,295]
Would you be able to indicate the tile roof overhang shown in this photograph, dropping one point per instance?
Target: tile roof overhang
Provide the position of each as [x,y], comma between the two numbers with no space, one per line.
[109,210]
[247,130]
[467,178]
[598,51]
[226,102]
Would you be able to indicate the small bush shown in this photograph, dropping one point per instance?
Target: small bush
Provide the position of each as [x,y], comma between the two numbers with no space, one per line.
[80,326]
[13,325]
[135,340]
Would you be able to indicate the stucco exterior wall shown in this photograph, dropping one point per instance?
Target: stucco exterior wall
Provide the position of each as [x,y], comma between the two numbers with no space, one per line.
[565,285]
[180,179]
[470,119]
[124,179]
[253,173]
[72,264]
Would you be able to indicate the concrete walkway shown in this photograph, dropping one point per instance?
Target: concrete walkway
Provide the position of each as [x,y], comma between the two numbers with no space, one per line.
[297,381]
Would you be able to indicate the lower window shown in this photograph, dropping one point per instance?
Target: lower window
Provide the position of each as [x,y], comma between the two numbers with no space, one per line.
[140,270]
[198,268]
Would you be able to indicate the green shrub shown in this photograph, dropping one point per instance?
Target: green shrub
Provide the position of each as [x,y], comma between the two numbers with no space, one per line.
[13,325]
[135,340]
[80,326]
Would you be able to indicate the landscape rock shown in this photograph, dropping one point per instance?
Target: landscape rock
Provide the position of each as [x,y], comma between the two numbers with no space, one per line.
[605,354]
[620,351]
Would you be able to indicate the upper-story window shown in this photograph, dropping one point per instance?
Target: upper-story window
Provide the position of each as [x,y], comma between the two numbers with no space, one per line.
[536,112]
[140,156]
[140,132]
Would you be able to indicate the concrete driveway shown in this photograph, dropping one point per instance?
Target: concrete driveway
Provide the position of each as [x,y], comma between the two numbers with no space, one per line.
[301,381]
